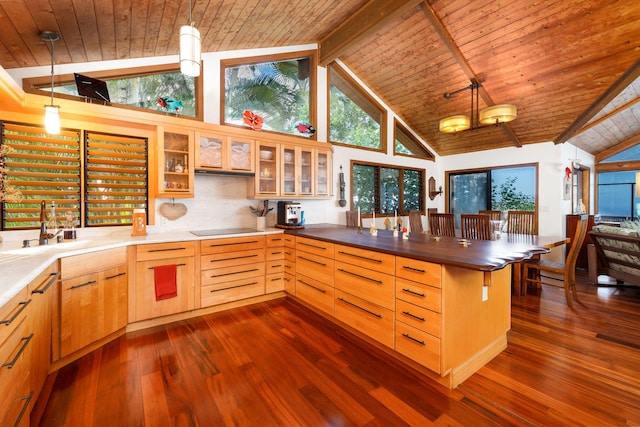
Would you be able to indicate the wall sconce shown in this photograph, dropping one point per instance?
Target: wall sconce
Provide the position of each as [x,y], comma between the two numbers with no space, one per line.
[190,48]
[342,202]
[51,112]
[432,189]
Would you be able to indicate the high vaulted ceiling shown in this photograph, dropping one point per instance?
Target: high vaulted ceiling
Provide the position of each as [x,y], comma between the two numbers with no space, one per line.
[570,66]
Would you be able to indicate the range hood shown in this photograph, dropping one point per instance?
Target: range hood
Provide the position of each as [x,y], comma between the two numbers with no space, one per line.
[220,172]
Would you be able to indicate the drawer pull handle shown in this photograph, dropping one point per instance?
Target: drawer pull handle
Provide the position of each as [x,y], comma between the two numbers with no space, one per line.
[16,314]
[379,282]
[25,405]
[276,252]
[276,265]
[379,261]
[232,244]
[379,316]
[287,253]
[414,339]
[287,266]
[312,246]
[276,239]
[312,287]
[82,285]
[275,279]
[417,270]
[167,249]
[177,265]
[234,287]
[234,272]
[406,313]
[409,291]
[114,276]
[235,257]
[313,260]
[26,340]
[52,279]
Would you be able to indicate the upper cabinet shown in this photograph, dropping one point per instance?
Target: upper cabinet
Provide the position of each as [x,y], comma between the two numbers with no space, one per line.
[216,152]
[323,172]
[175,162]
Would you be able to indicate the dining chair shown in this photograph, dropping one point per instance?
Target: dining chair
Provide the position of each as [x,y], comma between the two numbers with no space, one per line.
[415,222]
[475,226]
[522,222]
[566,272]
[442,224]
[352,218]
[493,215]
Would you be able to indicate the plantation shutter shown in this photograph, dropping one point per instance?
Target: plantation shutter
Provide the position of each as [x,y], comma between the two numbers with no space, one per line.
[115,178]
[41,167]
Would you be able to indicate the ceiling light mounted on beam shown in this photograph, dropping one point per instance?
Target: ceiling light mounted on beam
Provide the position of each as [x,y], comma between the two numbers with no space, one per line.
[493,115]
[51,112]
[190,48]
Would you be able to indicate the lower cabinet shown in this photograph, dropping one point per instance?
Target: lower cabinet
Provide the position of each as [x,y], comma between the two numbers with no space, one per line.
[314,273]
[275,264]
[289,264]
[93,298]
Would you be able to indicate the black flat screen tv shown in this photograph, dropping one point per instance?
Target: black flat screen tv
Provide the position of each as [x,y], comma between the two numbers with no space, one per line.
[89,87]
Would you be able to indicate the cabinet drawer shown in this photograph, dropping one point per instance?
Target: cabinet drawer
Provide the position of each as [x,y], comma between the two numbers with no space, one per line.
[372,260]
[289,241]
[17,411]
[78,265]
[228,259]
[424,296]
[317,247]
[275,266]
[232,291]
[15,356]
[12,313]
[274,240]
[276,252]
[216,246]
[274,283]
[420,318]
[370,319]
[316,266]
[235,272]
[289,254]
[290,266]
[289,283]
[365,283]
[164,250]
[418,346]
[315,293]
[419,271]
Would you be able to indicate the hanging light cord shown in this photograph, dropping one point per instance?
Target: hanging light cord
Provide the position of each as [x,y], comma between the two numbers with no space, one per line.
[52,56]
[190,17]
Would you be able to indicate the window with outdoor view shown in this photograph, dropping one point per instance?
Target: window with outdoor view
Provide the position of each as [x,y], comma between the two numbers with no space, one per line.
[406,144]
[279,89]
[355,118]
[386,189]
[618,195]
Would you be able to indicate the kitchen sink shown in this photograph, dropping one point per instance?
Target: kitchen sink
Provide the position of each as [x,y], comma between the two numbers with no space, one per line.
[52,247]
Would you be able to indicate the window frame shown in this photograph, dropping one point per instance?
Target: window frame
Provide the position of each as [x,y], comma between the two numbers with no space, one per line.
[34,85]
[252,60]
[354,85]
[401,169]
[415,144]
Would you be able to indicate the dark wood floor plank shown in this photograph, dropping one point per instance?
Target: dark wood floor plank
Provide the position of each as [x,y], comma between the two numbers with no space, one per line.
[278,364]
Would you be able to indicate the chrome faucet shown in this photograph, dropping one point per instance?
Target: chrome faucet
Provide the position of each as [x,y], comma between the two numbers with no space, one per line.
[44,236]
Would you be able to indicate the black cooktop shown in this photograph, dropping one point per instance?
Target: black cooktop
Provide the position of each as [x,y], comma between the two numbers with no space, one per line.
[223,231]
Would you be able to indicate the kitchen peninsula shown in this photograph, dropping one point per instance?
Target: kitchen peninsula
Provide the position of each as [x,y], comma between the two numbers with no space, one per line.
[437,306]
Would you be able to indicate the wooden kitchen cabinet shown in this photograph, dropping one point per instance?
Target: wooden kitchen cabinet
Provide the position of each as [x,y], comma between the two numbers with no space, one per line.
[314,273]
[93,298]
[175,163]
[275,263]
[217,152]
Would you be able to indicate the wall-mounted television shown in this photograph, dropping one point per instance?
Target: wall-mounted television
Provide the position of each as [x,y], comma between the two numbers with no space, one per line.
[89,87]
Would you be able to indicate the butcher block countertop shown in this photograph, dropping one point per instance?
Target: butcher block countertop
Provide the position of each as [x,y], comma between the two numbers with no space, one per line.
[483,255]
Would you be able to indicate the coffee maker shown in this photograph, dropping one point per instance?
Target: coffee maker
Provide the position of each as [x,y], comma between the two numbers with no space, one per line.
[289,214]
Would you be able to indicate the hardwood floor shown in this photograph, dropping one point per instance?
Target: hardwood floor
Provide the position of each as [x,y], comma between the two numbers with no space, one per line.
[278,364]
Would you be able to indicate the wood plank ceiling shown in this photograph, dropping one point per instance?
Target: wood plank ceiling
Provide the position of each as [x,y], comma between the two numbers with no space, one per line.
[561,62]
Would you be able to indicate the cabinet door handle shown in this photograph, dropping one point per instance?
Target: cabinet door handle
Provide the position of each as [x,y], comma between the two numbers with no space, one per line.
[234,272]
[52,279]
[313,260]
[417,270]
[379,261]
[312,246]
[82,285]
[406,313]
[379,282]
[26,342]
[409,291]
[25,405]
[22,305]
[312,287]
[167,249]
[415,340]
[115,275]
[234,287]
[379,316]
[177,265]
[232,244]
[235,257]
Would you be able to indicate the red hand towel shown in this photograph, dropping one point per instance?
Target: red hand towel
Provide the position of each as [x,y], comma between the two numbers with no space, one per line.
[165,281]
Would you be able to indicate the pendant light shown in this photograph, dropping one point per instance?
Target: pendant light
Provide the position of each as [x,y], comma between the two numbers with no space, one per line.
[190,48]
[51,112]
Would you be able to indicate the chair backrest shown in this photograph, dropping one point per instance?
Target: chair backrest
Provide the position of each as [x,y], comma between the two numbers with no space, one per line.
[442,224]
[576,244]
[493,215]
[415,221]
[522,222]
[475,226]
[352,218]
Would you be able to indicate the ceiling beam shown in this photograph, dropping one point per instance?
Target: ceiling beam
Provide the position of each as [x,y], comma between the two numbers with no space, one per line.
[609,95]
[449,43]
[367,19]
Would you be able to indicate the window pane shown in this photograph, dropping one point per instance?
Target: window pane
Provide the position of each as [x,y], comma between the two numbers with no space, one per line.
[278,91]
[616,196]
[413,190]
[513,189]
[364,182]
[389,190]
[170,92]
[468,193]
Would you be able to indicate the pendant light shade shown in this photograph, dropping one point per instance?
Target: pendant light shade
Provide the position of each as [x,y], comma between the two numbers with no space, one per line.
[52,119]
[455,124]
[496,114]
[190,50]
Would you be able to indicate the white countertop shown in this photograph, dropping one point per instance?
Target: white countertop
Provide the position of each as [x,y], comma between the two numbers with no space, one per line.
[19,266]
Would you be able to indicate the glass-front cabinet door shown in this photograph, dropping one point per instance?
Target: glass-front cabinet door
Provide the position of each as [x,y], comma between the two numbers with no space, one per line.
[323,171]
[267,169]
[289,171]
[176,163]
[241,157]
[306,172]
[217,152]
[209,151]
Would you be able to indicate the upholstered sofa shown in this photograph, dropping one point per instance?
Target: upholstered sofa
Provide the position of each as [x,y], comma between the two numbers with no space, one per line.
[615,252]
